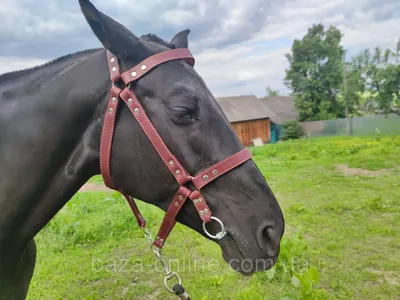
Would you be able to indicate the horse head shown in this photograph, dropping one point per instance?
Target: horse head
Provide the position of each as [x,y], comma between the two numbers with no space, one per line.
[195,129]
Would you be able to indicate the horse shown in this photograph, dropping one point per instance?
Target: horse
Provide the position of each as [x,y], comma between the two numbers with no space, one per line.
[52,120]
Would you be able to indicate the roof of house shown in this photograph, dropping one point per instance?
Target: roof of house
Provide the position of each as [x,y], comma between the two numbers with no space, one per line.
[244,108]
[283,108]
[249,107]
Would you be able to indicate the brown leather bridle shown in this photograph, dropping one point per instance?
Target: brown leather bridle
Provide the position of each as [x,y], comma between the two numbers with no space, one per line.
[181,175]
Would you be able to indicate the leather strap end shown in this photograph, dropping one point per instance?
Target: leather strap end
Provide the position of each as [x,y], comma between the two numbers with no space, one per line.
[139,218]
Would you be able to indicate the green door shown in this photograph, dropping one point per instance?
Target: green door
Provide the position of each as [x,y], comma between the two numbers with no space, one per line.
[273,136]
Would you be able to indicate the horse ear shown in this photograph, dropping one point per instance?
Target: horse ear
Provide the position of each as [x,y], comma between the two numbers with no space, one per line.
[115,37]
[180,40]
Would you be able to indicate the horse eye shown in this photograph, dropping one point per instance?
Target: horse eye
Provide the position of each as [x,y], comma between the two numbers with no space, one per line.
[182,115]
[181,111]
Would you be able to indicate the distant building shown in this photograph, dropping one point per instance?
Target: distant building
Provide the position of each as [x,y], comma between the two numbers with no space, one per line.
[253,118]
[283,109]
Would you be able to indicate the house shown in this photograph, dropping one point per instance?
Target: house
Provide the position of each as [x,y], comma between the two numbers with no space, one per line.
[249,117]
[253,118]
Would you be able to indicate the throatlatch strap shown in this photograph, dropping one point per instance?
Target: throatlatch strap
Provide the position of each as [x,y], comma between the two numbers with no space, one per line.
[107,137]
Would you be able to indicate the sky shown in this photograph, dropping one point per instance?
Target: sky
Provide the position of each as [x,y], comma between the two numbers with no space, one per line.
[239,45]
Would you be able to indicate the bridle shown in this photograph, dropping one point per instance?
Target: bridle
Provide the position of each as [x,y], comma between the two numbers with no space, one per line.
[178,171]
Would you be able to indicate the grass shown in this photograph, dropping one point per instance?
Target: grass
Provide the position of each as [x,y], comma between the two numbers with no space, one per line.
[341,240]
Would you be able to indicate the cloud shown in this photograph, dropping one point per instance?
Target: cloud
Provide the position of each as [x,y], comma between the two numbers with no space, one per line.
[11,63]
[239,45]
[240,69]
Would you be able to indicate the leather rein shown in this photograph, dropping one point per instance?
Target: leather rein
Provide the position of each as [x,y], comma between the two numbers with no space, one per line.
[178,171]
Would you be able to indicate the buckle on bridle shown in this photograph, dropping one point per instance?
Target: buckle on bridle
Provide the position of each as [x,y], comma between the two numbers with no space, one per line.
[220,234]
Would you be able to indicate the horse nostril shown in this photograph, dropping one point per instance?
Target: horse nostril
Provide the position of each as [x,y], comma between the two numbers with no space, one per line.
[265,236]
[268,240]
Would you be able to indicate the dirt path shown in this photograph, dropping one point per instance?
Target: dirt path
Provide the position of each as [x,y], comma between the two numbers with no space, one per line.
[94,187]
[346,170]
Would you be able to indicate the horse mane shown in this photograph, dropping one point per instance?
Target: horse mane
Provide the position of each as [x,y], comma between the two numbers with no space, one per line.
[154,38]
[18,73]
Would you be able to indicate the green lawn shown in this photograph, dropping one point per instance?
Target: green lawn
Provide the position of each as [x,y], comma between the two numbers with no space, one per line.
[341,241]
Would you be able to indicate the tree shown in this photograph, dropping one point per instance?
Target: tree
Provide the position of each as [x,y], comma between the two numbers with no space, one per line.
[352,97]
[271,92]
[292,129]
[315,73]
[379,79]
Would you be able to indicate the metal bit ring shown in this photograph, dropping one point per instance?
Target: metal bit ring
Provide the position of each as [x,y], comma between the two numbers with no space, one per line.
[220,234]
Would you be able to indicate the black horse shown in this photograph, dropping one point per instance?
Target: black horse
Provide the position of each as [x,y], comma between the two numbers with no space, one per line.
[51,119]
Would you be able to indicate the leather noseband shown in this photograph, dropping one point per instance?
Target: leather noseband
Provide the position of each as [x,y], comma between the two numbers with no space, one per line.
[178,171]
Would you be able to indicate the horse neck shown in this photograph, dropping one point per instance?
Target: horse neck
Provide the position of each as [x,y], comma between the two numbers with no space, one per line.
[77,99]
[49,147]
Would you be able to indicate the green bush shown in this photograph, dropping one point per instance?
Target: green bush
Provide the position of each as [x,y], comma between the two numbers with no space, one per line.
[292,129]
